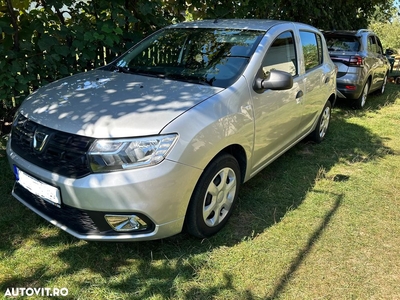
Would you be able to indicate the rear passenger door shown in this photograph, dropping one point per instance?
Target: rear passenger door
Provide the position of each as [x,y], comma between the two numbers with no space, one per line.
[317,78]
[376,62]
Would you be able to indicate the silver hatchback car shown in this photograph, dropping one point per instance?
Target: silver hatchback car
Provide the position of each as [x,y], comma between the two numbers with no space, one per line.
[161,139]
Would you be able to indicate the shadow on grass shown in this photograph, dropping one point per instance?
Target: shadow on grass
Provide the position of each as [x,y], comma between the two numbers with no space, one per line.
[155,268]
[297,261]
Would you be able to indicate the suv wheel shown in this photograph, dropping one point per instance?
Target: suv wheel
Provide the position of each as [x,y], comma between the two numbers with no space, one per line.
[360,102]
[382,90]
[214,197]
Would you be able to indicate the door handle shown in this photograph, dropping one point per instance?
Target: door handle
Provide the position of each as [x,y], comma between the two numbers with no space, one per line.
[299,94]
[298,97]
[327,79]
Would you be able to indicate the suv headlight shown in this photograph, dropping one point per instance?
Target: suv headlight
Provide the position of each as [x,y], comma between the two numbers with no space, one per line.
[107,155]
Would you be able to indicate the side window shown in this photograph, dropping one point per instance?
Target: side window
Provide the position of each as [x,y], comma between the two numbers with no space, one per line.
[372,45]
[379,45]
[281,55]
[312,49]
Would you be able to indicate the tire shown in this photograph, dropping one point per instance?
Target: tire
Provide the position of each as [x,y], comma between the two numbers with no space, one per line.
[214,197]
[324,120]
[360,102]
[383,87]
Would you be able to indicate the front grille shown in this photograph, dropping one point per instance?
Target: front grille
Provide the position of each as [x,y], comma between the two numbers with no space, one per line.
[53,150]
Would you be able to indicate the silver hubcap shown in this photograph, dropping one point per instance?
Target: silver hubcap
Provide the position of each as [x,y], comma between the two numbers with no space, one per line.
[219,197]
[323,127]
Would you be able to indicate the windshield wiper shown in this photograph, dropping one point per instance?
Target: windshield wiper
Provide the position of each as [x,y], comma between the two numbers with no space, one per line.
[180,77]
[138,72]
[121,69]
[149,73]
[188,78]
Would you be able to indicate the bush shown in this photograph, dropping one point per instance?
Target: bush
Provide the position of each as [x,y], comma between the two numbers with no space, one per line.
[45,43]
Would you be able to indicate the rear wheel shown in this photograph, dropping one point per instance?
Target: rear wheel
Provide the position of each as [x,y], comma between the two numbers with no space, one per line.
[214,197]
[383,87]
[323,123]
[360,102]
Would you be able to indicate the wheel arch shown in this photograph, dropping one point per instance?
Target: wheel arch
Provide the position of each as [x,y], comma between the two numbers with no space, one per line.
[369,80]
[190,224]
[332,99]
[239,154]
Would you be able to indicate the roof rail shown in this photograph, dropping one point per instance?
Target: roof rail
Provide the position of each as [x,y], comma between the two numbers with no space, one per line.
[363,30]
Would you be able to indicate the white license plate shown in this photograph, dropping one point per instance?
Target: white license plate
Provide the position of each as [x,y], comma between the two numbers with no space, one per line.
[42,190]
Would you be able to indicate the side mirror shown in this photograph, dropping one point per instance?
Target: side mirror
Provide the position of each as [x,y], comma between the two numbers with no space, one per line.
[389,52]
[276,80]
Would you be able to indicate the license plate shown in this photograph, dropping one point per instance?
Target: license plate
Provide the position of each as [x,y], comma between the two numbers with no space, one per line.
[39,188]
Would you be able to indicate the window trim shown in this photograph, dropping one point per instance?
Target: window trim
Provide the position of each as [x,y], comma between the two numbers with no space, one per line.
[294,49]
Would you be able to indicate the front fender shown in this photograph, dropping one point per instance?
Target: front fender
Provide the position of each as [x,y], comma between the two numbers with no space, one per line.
[224,119]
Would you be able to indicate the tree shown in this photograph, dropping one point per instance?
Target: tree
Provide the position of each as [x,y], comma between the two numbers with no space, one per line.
[386,24]
[388,32]
[328,15]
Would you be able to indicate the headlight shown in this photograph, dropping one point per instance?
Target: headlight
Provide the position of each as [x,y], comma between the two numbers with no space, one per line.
[107,155]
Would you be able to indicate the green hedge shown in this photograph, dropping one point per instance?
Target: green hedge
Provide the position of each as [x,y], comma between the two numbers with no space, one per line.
[51,41]
[40,44]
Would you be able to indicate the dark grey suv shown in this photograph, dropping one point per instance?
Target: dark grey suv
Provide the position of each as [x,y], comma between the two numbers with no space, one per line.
[362,65]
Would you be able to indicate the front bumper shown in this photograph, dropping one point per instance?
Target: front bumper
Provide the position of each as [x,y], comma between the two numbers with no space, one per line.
[159,195]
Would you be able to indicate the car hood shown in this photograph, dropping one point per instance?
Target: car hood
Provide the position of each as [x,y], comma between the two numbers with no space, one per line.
[104,104]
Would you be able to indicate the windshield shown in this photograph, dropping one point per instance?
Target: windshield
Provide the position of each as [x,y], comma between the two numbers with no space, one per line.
[214,57]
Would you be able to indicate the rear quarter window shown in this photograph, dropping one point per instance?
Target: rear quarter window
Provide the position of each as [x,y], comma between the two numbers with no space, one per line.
[374,45]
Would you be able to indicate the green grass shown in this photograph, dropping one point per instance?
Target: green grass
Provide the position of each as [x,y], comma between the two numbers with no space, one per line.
[321,222]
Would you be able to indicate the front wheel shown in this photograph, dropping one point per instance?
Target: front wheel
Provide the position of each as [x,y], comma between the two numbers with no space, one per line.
[323,123]
[214,197]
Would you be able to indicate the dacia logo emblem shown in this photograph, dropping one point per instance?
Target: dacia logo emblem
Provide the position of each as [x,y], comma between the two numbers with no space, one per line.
[39,140]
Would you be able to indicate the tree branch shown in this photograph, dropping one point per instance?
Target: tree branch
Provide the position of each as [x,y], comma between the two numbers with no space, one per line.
[14,22]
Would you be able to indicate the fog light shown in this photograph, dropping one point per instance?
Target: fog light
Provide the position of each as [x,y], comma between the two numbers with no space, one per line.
[126,222]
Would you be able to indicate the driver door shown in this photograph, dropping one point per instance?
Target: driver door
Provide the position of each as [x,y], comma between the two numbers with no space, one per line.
[277,113]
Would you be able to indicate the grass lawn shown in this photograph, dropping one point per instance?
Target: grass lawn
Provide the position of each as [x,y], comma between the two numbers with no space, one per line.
[321,222]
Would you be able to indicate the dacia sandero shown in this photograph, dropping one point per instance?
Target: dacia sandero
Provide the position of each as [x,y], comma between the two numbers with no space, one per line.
[161,139]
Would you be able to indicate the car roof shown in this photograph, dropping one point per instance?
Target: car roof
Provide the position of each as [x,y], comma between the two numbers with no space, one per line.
[348,32]
[251,24]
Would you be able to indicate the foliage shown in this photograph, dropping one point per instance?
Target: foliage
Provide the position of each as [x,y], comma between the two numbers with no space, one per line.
[55,38]
[46,40]
[388,33]
[333,14]
[384,14]
[387,26]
